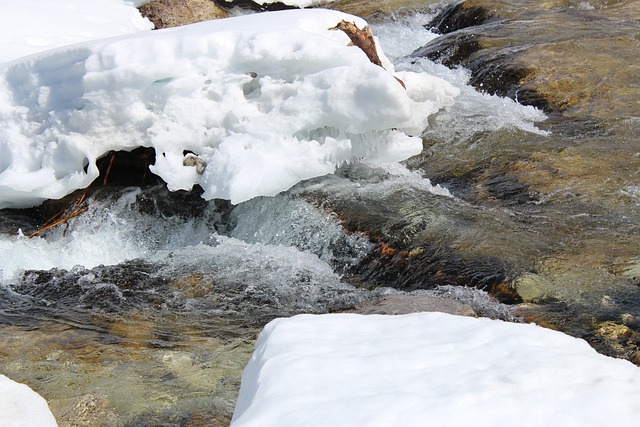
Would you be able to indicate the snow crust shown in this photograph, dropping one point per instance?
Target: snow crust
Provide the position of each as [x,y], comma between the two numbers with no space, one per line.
[22,407]
[263,100]
[430,369]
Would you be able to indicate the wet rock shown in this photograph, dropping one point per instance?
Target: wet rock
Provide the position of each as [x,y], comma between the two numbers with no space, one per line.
[12,220]
[532,287]
[173,13]
[158,200]
[458,16]
[451,50]
[104,288]
[256,7]
[569,59]
[631,321]
[573,188]
[616,339]
[404,304]
[426,267]
[420,240]
[492,66]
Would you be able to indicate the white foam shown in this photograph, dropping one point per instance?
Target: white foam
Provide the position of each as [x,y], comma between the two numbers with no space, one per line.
[110,232]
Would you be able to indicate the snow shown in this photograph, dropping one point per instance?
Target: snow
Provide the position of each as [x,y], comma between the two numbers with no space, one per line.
[265,101]
[30,26]
[430,369]
[22,407]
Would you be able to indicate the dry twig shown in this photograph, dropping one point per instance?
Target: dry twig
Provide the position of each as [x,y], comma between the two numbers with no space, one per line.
[64,215]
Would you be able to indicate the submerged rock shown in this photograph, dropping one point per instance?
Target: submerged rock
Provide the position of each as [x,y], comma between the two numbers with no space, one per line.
[405,304]
[420,240]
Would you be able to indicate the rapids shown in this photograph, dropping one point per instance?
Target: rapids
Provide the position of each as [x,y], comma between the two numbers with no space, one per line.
[144,309]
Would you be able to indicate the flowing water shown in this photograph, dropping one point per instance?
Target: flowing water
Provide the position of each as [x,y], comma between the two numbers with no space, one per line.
[144,309]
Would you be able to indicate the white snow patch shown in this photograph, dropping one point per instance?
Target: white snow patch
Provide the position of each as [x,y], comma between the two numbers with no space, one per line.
[21,407]
[430,369]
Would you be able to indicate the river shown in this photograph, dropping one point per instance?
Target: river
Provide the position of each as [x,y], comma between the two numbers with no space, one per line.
[144,309]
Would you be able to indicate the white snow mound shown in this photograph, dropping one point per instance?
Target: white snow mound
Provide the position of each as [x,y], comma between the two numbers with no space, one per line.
[430,369]
[264,100]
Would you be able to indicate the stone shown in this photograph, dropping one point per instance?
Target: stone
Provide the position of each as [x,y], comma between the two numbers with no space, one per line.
[173,13]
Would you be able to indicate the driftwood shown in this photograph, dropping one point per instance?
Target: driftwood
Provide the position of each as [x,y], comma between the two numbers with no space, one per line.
[362,38]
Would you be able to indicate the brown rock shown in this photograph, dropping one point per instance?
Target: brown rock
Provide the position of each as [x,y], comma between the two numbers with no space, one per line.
[173,13]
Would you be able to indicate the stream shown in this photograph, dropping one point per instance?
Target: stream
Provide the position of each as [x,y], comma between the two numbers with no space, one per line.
[524,205]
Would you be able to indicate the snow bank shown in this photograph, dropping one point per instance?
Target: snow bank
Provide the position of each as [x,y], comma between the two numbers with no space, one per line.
[430,369]
[263,100]
[22,407]
[30,26]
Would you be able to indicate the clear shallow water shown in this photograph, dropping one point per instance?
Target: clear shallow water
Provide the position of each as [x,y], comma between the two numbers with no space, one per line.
[161,332]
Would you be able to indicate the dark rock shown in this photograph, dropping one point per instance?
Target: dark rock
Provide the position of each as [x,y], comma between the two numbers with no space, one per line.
[251,5]
[127,168]
[458,16]
[105,288]
[493,70]
[505,188]
[450,50]
[426,267]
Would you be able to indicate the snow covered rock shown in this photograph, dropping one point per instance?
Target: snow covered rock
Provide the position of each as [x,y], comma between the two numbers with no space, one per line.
[22,407]
[430,369]
[264,100]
